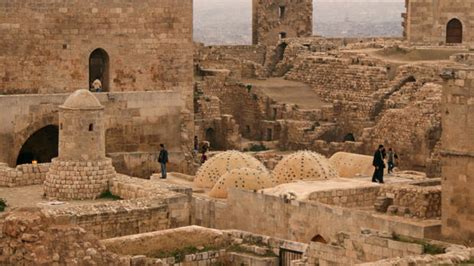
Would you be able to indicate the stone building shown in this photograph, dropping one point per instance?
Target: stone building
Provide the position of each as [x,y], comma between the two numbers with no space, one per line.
[142,53]
[438,22]
[276,20]
[81,170]
[458,156]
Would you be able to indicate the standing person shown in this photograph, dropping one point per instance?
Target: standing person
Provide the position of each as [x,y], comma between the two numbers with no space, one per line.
[196,145]
[379,165]
[97,85]
[391,156]
[203,157]
[163,160]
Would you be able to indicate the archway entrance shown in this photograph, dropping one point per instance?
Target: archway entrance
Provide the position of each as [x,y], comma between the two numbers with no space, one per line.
[319,239]
[211,137]
[99,68]
[454,31]
[42,146]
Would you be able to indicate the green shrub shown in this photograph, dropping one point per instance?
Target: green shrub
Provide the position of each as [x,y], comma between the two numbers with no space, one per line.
[258,147]
[428,248]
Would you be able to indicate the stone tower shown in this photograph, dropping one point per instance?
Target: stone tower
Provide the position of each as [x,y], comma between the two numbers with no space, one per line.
[274,20]
[458,155]
[81,170]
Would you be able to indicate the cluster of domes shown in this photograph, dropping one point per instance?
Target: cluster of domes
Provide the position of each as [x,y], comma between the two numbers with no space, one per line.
[211,171]
[233,169]
[243,178]
[303,165]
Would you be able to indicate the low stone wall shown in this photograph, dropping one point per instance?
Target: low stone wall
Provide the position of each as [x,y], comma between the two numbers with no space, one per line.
[422,202]
[23,175]
[350,198]
[135,188]
[275,217]
[127,217]
[358,249]
[69,180]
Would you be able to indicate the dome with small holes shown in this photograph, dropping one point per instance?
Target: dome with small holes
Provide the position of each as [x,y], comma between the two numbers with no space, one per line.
[242,178]
[212,170]
[303,165]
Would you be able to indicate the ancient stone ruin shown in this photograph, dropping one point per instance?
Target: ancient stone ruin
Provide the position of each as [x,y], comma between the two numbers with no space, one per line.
[271,145]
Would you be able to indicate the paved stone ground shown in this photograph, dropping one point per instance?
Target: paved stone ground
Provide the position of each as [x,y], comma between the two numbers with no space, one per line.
[32,196]
[291,92]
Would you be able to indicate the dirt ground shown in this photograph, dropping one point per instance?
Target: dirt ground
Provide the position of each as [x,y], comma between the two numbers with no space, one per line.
[290,92]
[32,196]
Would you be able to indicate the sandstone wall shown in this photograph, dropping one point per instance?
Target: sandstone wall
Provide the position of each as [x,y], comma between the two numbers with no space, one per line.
[149,45]
[458,155]
[272,216]
[270,18]
[427,20]
[23,175]
[350,198]
[358,249]
[136,122]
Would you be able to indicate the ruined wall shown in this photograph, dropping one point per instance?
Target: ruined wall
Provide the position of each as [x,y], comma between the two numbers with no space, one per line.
[294,18]
[23,175]
[350,198]
[136,123]
[458,154]
[149,45]
[427,20]
[272,216]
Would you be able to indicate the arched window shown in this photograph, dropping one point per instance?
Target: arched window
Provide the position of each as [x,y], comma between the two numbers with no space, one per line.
[99,68]
[454,31]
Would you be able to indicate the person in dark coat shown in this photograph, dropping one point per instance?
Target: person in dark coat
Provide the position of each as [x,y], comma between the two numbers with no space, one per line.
[379,165]
[163,160]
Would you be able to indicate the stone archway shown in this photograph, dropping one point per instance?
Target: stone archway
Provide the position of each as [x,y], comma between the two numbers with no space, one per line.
[99,68]
[41,146]
[454,31]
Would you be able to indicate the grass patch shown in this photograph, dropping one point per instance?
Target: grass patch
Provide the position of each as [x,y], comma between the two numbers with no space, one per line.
[180,254]
[108,195]
[428,248]
[3,205]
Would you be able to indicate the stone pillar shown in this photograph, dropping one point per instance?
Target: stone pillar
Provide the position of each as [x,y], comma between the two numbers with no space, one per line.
[458,155]
[81,170]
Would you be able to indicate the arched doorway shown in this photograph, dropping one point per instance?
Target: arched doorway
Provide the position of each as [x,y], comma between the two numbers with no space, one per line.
[349,137]
[454,31]
[211,138]
[42,146]
[99,68]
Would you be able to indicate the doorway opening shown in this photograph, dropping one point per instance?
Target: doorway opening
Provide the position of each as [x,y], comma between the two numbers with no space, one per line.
[454,31]
[41,147]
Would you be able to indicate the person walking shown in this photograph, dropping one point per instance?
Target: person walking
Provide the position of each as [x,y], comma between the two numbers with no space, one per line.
[163,160]
[379,165]
[391,157]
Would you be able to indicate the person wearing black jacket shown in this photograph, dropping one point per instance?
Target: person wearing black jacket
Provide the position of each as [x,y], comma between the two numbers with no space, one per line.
[163,160]
[379,165]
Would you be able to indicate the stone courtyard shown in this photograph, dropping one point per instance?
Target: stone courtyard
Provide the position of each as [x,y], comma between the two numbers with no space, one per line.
[289,125]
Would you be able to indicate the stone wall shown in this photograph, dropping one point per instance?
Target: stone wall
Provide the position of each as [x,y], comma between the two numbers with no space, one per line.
[355,249]
[350,198]
[423,202]
[273,216]
[136,122]
[427,20]
[56,57]
[270,19]
[458,154]
[23,175]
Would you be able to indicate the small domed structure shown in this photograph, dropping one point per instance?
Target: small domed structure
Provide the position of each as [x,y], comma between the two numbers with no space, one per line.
[81,170]
[303,165]
[211,171]
[351,164]
[243,178]
[82,99]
